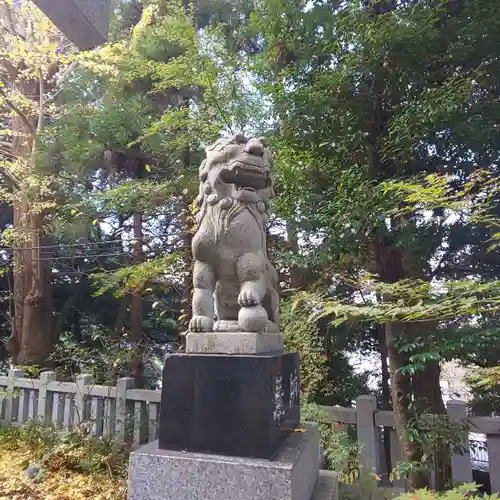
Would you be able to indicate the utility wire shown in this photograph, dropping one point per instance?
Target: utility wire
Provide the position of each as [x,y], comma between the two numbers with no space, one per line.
[64,245]
[95,256]
[74,245]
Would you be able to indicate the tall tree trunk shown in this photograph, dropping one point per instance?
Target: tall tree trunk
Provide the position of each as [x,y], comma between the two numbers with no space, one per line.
[390,269]
[136,316]
[429,399]
[428,395]
[392,264]
[187,262]
[32,338]
[187,229]
[401,398]
[386,393]
[300,277]
[426,383]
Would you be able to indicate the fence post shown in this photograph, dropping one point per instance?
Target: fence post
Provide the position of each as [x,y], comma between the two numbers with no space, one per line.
[9,406]
[45,397]
[493,444]
[122,385]
[461,467]
[368,437]
[82,381]
[396,457]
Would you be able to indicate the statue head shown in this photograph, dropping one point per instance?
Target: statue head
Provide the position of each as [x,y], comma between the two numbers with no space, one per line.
[236,169]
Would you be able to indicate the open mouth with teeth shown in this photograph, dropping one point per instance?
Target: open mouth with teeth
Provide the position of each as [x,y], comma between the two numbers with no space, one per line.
[246,177]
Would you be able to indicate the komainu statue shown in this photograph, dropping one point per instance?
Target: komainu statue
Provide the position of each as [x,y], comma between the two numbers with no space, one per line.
[233,279]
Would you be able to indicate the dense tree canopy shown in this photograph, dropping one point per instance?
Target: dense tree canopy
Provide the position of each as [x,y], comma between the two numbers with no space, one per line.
[383,118]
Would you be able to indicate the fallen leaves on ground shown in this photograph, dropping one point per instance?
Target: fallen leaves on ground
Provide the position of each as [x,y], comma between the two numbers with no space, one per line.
[56,485]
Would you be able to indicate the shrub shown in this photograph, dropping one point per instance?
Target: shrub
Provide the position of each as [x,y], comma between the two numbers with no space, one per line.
[341,451]
[459,493]
[62,449]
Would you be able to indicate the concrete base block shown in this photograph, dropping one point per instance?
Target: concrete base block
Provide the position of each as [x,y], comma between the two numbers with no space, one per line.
[168,475]
[327,487]
[234,343]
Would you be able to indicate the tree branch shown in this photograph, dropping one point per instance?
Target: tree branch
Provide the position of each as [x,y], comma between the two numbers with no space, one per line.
[42,104]
[11,28]
[9,68]
[19,113]
[9,177]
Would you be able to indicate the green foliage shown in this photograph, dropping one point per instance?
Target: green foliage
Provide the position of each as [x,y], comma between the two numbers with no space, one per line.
[134,279]
[341,451]
[386,158]
[144,196]
[73,450]
[434,434]
[33,435]
[433,191]
[462,492]
[303,337]
[408,301]
[485,378]
[104,357]
[385,131]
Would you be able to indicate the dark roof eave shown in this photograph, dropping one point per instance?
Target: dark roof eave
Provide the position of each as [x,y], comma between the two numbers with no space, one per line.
[84,22]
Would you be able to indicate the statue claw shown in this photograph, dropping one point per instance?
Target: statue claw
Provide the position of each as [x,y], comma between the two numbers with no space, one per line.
[201,324]
[248,298]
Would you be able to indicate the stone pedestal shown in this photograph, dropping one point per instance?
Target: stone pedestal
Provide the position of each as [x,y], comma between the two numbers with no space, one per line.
[234,343]
[230,426]
[292,474]
[235,405]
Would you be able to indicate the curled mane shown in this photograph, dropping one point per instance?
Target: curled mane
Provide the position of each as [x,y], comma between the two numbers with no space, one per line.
[221,219]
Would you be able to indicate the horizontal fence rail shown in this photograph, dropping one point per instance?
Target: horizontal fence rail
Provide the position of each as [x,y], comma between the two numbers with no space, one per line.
[371,425]
[128,414]
[131,415]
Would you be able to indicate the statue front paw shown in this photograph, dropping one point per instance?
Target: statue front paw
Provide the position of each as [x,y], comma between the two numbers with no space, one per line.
[201,324]
[248,297]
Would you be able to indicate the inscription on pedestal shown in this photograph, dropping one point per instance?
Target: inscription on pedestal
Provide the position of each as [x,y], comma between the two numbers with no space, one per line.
[294,388]
[238,405]
[280,409]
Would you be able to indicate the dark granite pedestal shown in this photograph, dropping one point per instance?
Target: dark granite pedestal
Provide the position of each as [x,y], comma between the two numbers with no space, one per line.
[235,405]
[229,430]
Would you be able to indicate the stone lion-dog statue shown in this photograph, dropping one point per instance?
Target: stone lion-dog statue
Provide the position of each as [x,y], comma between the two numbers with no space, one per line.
[233,279]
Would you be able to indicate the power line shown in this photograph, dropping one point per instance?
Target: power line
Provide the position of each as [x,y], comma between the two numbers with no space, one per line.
[65,245]
[53,259]
[97,256]
[76,245]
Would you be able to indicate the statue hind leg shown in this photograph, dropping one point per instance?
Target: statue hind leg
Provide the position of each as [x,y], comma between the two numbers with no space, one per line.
[203,298]
[272,299]
[271,305]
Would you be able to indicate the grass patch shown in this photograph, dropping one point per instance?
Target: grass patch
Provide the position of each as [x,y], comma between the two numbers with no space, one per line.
[73,465]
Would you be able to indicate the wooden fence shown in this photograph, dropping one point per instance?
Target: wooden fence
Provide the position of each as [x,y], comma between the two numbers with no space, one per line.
[125,412]
[370,422]
[131,415]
